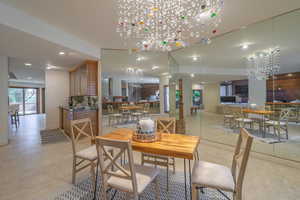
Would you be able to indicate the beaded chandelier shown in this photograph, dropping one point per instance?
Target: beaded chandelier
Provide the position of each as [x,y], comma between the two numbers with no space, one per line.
[265,64]
[167,24]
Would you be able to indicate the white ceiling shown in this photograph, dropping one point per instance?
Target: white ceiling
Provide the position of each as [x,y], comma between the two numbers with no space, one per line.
[225,52]
[95,20]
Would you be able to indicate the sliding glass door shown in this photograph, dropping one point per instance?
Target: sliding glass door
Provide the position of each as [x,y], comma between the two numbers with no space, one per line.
[26,98]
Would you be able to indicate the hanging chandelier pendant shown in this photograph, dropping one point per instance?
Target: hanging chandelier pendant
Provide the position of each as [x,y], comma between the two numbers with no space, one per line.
[165,24]
[264,65]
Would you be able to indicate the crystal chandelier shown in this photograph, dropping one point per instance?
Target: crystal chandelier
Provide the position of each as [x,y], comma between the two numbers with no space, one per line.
[165,24]
[263,65]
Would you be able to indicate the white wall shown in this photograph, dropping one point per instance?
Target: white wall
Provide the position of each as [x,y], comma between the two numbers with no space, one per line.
[211,97]
[4,100]
[57,92]
[257,92]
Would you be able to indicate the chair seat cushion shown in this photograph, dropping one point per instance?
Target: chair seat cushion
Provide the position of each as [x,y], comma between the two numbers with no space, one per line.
[212,175]
[228,116]
[90,153]
[244,120]
[271,122]
[144,176]
[136,114]
[116,115]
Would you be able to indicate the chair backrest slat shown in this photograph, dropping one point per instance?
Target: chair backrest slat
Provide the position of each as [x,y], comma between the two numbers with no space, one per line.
[112,162]
[166,125]
[241,156]
[79,130]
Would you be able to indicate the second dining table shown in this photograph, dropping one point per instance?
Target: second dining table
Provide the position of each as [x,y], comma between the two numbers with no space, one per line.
[172,145]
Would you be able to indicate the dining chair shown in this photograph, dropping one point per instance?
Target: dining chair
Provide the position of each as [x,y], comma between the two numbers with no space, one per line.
[130,178]
[146,109]
[112,116]
[163,125]
[83,157]
[222,178]
[242,119]
[228,116]
[280,124]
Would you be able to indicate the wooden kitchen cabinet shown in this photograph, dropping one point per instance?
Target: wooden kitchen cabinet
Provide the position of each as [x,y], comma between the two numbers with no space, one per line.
[84,79]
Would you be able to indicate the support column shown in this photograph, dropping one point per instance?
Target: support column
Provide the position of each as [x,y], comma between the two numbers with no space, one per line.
[187,96]
[117,86]
[4,100]
[211,97]
[163,81]
[99,71]
[257,91]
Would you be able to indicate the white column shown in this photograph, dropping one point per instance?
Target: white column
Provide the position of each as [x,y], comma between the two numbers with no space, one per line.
[100,97]
[187,96]
[211,97]
[257,91]
[163,80]
[116,86]
[4,100]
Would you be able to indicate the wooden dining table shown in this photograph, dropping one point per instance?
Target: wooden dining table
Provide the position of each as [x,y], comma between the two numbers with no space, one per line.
[172,145]
[262,113]
[131,107]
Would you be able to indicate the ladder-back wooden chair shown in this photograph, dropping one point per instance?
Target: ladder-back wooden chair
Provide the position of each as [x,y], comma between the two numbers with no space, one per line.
[280,124]
[163,125]
[130,178]
[83,157]
[222,178]
[113,117]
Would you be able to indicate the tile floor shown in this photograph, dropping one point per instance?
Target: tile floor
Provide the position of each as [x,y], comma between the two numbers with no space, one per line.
[31,171]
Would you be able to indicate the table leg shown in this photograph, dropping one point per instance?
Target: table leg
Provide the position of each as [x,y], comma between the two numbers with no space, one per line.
[96,181]
[185,186]
[190,175]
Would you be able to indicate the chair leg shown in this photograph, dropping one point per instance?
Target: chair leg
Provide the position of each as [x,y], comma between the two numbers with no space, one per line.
[194,192]
[157,187]
[93,173]
[287,132]
[168,177]
[74,171]
[174,170]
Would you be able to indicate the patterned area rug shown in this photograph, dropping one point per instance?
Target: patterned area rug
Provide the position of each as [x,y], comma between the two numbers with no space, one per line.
[85,191]
[52,136]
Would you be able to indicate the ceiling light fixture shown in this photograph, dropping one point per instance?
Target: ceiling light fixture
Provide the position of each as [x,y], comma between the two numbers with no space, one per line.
[62,53]
[192,75]
[28,64]
[195,58]
[155,67]
[165,73]
[245,46]
[263,65]
[168,24]
[289,75]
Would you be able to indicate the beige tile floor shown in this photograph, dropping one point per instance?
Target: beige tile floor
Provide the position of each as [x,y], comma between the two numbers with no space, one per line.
[31,171]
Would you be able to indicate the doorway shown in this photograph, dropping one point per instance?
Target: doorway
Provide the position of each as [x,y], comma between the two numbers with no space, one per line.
[26,98]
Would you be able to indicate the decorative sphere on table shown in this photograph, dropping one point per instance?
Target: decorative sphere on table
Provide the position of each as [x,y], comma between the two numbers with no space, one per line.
[145,131]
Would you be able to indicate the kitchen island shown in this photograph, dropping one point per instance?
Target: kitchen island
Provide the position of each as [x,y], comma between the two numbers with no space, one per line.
[67,114]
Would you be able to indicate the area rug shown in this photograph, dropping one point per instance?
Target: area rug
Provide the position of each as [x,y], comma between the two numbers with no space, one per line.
[52,136]
[85,191]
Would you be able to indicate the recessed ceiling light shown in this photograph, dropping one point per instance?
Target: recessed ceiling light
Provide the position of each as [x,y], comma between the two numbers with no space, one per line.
[155,67]
[192,75]
[140,58]
[27,64]
[195,58]
[62,53]
[165,73]
[245,46]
